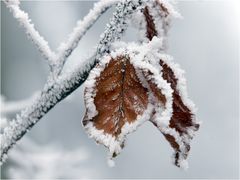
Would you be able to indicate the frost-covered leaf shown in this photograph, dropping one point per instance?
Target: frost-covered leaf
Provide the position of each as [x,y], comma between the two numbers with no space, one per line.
[182,125]
[182,119]
[115,99]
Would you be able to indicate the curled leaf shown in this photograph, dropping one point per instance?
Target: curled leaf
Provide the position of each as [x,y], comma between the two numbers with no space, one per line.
[182,125]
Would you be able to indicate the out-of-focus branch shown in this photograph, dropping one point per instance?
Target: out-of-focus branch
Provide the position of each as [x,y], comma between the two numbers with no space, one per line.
[56,60]
[55,91]
[31,32]
[15,106]
[31,155]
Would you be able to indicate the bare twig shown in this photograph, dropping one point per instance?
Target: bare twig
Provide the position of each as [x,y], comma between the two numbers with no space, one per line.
[15,106]
[65,49]
[31,32]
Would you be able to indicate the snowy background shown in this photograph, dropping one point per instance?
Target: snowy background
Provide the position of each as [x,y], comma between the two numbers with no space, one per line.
[206,45]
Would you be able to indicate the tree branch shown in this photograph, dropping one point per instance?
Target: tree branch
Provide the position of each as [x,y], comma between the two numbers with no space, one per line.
[14,106]
[65,49]
[56,60]
[31,32]
[54,92]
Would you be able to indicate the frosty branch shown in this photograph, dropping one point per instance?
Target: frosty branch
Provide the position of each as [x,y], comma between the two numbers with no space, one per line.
[131,84]
[57,60]
[8,107]
[31,32]
[64,84]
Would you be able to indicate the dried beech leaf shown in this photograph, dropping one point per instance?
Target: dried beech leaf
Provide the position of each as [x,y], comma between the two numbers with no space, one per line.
[182,117]
[119,99]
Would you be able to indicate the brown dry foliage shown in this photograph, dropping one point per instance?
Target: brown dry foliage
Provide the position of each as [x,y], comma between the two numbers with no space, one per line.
[120,96]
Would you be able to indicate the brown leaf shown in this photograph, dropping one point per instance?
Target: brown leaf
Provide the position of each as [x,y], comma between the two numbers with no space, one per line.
[119,99]
[182,117]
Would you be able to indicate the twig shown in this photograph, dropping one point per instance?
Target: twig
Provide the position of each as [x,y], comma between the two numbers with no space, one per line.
[31,32]
[65,49]
[56,60]
[14,106]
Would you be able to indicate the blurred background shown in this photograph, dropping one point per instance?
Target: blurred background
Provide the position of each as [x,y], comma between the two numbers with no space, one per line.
[206,45]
